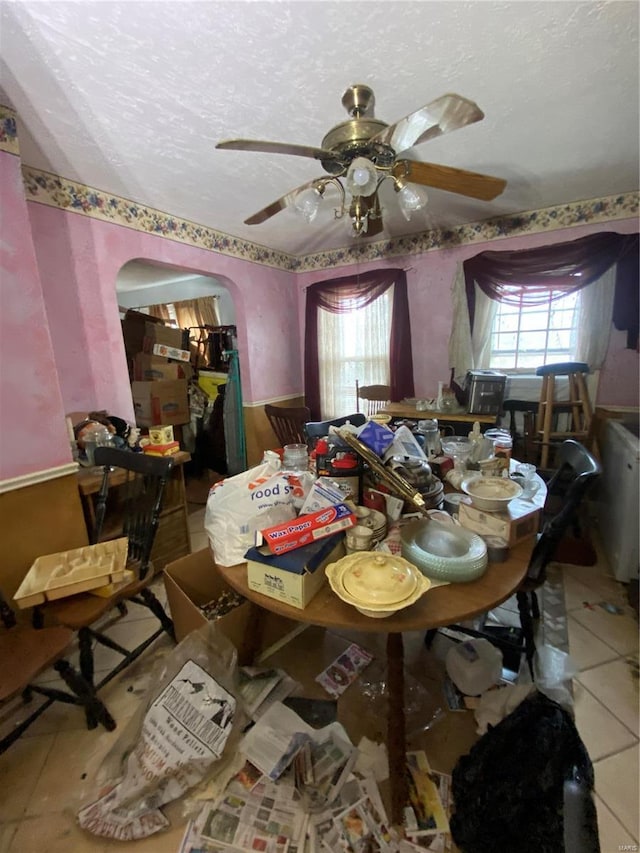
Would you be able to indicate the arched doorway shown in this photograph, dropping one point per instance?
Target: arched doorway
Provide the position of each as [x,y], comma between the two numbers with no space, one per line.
[203,306]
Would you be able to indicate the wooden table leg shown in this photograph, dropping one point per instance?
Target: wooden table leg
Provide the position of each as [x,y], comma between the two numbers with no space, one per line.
[252,640]
[396,737]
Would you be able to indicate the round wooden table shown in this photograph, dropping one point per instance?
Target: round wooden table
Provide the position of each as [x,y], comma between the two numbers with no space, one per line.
[444,605]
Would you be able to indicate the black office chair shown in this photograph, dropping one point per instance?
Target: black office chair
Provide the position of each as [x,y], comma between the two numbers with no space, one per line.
[576,473]
[314,430]
[140,501]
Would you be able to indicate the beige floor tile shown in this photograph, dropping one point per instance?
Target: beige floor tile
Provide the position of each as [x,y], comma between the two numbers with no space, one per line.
[616,687]
[67,777]
[196,521]
[617,786]
[612,833]
[199,541]
[58,718]
[576,592]
[602,733]
[20,769]
[55,833]
[601,584]
[587,650]
[619,632]
[127,634]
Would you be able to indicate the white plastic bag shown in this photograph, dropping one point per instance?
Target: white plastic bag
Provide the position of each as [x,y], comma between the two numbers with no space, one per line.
[239,506]
[191,717]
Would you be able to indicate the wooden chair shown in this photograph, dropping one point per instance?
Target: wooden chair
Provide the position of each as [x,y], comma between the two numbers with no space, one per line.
[576,473]
[288,423]
[139,516]
[374,397]
[577,407]
[26,652]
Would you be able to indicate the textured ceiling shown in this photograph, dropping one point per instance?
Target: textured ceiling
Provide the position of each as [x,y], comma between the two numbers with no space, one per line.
[131,98]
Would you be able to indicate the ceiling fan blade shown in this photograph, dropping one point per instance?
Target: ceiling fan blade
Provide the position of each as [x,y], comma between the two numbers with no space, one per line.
[278,205]
[447,178]
[274,148]
[447,113]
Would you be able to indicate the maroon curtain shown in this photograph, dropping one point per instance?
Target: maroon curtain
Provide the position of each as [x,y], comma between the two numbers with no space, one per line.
[529,273]
[626,302]
[341,295]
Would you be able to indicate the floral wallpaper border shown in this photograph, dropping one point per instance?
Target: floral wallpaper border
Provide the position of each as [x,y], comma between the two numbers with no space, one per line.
[46,188]
[8,131]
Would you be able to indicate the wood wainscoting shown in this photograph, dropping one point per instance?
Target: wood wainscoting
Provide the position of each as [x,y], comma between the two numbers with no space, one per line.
[258,432]
[42,517]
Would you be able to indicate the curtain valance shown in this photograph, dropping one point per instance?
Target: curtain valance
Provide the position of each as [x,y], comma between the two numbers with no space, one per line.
[525,276]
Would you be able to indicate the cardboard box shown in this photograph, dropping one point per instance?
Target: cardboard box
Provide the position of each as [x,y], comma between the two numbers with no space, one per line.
[161,434]
[164,401]
[518,522]
[296,576]
[194,581]
[307,528]
[150,367]
[155,333]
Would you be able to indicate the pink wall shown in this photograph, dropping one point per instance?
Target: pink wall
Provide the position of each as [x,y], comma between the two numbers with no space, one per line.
[79,259]
[32,422]
[58,293]
[430,278]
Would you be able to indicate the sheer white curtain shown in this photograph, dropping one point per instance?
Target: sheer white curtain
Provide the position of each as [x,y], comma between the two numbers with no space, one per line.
[595,315]
[472,352]
[353,346]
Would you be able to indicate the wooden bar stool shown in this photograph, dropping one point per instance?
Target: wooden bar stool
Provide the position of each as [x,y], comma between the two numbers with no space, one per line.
[577,406]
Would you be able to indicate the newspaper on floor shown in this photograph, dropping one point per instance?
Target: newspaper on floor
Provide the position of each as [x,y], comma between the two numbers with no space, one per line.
[267,818]
[186,722]
[323,769]
[425,813]
[273,742]
[354,823]
[261,687]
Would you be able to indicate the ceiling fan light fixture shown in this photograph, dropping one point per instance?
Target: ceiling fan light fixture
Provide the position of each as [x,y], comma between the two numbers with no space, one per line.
[359,214]
[362,177]
[410,199]
[307,203]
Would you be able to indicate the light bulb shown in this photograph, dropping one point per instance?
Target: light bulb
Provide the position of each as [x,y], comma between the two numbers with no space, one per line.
[362,177]
[411,199]
[307,203]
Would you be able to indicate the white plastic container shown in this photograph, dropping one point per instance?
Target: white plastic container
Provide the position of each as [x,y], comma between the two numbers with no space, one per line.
[474,666]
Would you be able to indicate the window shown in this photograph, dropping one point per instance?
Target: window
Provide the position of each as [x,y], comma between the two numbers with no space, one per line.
[525,336]
[353,346]
[376,328]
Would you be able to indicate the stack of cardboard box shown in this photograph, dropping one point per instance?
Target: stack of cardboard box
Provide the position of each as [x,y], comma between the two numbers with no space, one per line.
[160,369]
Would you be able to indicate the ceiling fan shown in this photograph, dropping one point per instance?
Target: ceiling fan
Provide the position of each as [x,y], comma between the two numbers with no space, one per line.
[366,151]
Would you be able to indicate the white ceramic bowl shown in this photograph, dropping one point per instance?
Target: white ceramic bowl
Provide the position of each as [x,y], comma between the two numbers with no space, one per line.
[491,494]
[376,584]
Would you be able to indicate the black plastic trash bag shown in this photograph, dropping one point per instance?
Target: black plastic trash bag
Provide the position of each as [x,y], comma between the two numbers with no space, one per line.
[515,787]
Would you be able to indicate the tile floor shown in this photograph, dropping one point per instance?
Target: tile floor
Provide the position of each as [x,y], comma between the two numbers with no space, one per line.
[46,774]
